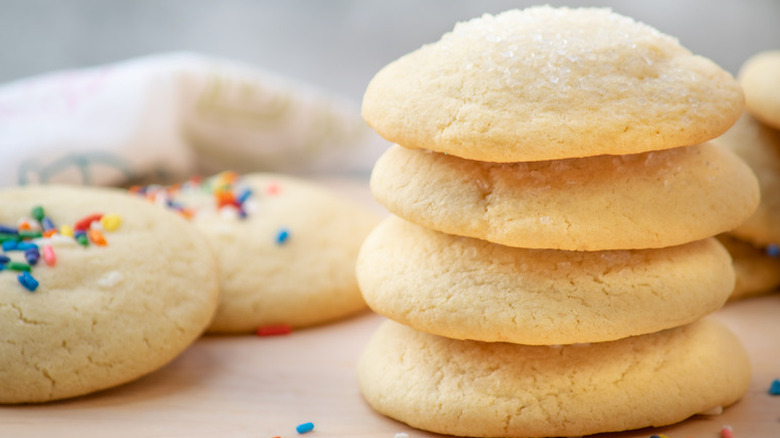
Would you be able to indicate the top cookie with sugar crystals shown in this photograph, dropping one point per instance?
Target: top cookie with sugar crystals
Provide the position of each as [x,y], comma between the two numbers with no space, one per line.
[546,83]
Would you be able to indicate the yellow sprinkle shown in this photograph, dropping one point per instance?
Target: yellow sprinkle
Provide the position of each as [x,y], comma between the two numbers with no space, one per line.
[66,230]
[110,222]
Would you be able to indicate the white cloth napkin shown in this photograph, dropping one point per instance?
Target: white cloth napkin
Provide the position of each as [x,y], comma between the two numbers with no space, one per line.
[166,117]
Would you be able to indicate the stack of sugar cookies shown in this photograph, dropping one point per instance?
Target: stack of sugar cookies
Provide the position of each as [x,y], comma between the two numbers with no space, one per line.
[549,263]
[755,244]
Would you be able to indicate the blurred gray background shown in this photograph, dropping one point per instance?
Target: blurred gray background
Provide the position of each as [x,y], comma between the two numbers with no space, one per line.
[336,45]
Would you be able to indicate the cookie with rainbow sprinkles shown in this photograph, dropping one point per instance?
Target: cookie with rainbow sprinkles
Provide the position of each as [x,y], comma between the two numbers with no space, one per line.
[286,247]
[97,288]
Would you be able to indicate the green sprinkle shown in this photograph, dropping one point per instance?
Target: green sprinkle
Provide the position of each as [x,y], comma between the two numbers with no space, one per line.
[18,266]
[4,237]
[30,234]
[82,239]
[37,213]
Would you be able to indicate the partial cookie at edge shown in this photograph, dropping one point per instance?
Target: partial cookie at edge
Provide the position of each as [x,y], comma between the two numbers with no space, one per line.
[101,315]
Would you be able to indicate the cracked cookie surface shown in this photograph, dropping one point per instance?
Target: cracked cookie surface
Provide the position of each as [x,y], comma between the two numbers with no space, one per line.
[101,315]
[648,200]
[466,288]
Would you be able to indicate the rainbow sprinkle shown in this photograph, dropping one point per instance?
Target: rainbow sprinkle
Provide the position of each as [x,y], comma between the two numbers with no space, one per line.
[305,428]
[34,238]
[774,388]
[282,235]
[274,330]
[227,190]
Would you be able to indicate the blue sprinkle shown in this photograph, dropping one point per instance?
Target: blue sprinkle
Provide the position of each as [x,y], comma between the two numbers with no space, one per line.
[4,259]
[244,195]
[282,235]
[10,245]
[774,388]
[32,255]
[5,229]
[24,246]
[773,250]
[28,281]
[47,224]
[305,427]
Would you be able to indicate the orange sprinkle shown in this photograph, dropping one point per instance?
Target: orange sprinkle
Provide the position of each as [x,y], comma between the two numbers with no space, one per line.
[187,213]
[224,198]
[24,226]
[97,237]
[49,233]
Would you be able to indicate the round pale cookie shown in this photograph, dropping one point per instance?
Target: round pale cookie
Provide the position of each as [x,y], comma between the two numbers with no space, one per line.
[472,388]
[286,252]
[759,146]
[649,200]
[757,272]
[466,288]
[545,83]
[760,80]
[103,314]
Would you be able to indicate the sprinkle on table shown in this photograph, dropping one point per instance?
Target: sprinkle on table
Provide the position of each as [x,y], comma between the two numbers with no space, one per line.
[773,250]
[726,432]
[774,388]
[305,428]
[274,330]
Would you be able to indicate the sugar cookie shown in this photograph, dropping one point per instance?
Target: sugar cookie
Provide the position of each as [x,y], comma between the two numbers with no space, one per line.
[122,287]
[759,146]
[286,247]
[648,200]
[471,388]
[760,80]
[466,288]
[549,83]
[757,272]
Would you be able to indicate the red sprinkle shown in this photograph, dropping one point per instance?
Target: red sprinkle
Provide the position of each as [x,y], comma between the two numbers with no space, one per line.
[86,222]
[726,432]
[48,255]
[274,330]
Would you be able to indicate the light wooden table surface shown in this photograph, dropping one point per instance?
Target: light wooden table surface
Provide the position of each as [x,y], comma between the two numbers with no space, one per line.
[263,387]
